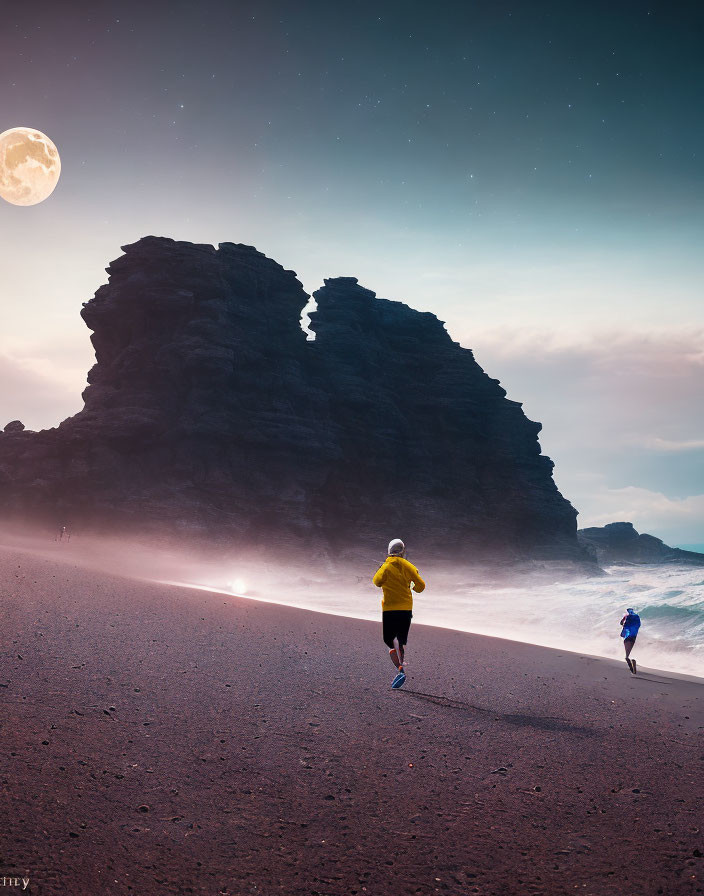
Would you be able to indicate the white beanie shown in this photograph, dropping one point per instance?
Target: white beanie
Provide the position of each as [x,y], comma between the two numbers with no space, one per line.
[396,547]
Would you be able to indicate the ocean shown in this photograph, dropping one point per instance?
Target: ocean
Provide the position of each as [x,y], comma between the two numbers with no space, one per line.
[582,616]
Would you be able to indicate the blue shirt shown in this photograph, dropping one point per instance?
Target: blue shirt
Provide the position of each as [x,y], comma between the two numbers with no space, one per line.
[630,626]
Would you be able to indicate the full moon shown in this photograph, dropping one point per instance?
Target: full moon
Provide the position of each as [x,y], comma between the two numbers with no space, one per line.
[29,166]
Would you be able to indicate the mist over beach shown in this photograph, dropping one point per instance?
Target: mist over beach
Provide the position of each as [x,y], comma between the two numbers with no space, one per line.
[530,604]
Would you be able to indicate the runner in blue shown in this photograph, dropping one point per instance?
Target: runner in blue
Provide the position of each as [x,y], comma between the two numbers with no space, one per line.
[629,632]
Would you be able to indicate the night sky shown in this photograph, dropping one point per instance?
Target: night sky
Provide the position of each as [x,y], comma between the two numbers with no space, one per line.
[531,173]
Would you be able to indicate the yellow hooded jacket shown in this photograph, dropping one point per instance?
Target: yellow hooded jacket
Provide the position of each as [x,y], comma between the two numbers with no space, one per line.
[394,577]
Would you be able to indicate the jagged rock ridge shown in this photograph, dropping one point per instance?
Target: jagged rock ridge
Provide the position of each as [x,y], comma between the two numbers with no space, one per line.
[208,411]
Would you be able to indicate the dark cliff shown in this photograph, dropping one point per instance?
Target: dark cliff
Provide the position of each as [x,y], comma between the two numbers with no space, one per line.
[432,447]
[621,543]
[209,413]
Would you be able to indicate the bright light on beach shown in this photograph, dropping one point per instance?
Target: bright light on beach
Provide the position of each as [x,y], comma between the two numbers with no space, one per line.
[238,586]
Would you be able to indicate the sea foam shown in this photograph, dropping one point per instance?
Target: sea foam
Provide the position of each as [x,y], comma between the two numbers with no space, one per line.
[584,616]
[581,615]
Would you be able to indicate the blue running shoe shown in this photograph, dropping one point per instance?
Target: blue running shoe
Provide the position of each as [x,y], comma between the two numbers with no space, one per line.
[399,681]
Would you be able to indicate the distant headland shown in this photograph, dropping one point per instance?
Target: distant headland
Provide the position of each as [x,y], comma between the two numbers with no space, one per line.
[621,543]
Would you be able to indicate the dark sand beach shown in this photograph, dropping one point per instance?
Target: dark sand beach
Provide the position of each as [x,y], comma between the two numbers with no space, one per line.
[158,740]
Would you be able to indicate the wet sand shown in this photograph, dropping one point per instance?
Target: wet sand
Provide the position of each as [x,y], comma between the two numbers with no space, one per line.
[158,740]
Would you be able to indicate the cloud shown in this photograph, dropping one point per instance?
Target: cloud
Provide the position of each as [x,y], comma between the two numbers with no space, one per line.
[619,389]
[649,511]
[599,346]
[622,419]
[674,447]
[36,392]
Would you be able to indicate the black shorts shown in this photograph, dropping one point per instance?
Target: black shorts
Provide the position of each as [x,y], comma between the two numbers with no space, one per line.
[395,624]
[630,641]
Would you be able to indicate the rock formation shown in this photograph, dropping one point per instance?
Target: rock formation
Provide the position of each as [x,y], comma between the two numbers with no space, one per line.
[208,412]
[431,445]
[620,543]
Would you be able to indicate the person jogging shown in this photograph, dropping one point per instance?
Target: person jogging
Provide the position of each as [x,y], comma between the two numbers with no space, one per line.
[394,577]
[630,624]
